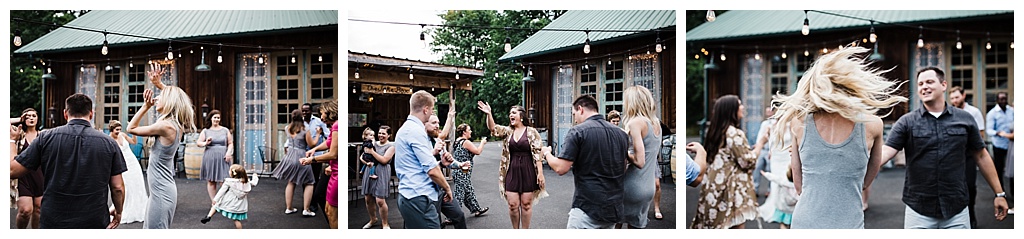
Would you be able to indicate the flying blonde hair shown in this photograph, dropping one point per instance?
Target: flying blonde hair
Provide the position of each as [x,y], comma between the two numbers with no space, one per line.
[841,83]
[638,102]
[178,108]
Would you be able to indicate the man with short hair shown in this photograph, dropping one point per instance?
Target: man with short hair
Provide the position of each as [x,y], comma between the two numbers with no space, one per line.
[418,172]
[958,99]
[320,130]
[450,209]
[596,151]
[80,164]
[1000,126]
[937,138]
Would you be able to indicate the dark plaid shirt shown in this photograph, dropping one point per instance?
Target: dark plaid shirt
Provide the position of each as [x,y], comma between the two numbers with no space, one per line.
[935,149]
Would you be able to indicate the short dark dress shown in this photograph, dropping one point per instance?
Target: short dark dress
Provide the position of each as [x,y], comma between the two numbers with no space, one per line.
[30,184]
[522,171]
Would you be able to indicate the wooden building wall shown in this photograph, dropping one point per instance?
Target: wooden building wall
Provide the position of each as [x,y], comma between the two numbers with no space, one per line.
[215,87]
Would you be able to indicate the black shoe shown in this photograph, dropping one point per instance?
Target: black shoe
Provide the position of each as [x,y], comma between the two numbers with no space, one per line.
[205,220]
[481,212]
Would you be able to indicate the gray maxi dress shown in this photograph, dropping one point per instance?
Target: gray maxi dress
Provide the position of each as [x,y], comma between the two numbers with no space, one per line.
[163,193]
[833,177]
[639,182]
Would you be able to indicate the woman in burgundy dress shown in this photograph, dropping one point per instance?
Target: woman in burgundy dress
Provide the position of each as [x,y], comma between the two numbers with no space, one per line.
[521,179]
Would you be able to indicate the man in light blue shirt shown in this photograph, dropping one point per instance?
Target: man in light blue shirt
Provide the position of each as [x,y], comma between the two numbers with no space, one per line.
[418,172]
[315,125]
[999,125]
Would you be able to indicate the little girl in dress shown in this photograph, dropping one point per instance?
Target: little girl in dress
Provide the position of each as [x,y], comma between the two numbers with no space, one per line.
[232,198]
[785,205]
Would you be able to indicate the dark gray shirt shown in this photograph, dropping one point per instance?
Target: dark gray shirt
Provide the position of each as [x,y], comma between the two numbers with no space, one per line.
[598,150]
[77,162]
[935,148]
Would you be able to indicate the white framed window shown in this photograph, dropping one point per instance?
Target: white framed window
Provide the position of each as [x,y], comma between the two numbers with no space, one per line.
[287,91]
[588,84]
[111,102]
[998,73]
[323,78]
[961,71]
[614,85]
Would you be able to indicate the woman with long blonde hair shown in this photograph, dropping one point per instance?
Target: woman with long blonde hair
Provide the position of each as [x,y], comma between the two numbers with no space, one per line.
[837,137]
[176,118]
[644,130]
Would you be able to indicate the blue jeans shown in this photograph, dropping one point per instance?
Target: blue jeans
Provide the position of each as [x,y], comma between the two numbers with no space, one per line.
[579,220]
[419,212]
[913,220]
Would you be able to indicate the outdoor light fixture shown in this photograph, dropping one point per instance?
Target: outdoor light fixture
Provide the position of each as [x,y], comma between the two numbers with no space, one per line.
[423,37]
[104,50]
[260,58]
[807,26]
[873,38]
[920,37]
[456,74]
[320,57]
[220,59]
[357,72]
[876,56]
[108,68]
[508,44]
[723,56]
[410,73]
[82,65]
[586,44]
[711,16]
[17,38]
[202,64]
[806,52]
[784,52]
[757,53]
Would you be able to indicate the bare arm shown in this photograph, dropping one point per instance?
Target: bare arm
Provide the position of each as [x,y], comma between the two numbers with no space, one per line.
[797,129]
[130,139]
[156,129]
[473,149]
[201,141]
[117,196]
[486,108]
[229,154]
[330,155]
[309,138]
[448,123]
[561,166]
[388,155]
[875,154]
[156,72]
[701,160]
[636,129]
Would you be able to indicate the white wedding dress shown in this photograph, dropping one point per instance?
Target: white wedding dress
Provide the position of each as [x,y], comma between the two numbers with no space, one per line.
[136,198]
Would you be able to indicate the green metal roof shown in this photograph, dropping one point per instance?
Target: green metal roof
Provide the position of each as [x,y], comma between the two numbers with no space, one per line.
[548,41]
[172,25]
[742,23]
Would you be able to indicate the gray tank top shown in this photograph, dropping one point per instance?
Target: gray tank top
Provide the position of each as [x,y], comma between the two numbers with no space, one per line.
[833,176]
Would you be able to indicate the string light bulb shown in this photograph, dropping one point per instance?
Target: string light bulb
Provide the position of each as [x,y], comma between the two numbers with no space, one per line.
[508,40]
[695,57]
[872,38]
[104,50]
[357,72]
[784,52]
[807,26]
[220,57]
[711,16]
[82,66]
[423,35]
[988,41]
[920,37]
[410,73]
[586,44]
[293,55]
[17,38]
[657,45]
[320,56]
[456,74]
[757,53]
[806,52]
[705,51]
[170,51]
[131,64]
[959,45]
[260,58]
[723,55]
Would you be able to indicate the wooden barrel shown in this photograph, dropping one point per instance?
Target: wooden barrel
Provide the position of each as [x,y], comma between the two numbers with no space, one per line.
[672,163]
[193,160]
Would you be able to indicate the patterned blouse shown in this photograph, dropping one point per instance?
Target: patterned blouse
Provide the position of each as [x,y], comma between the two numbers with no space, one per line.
[536,144]
[727,196]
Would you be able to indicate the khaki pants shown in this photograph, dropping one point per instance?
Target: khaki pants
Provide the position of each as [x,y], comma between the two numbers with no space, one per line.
[332,215]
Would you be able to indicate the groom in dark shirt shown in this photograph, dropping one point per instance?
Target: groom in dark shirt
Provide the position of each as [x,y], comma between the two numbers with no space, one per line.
[80,164]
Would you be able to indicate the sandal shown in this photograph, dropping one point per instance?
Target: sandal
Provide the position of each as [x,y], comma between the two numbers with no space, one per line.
[481,212]
[658,216]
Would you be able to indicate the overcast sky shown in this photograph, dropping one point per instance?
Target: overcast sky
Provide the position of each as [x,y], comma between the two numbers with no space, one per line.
[401,41]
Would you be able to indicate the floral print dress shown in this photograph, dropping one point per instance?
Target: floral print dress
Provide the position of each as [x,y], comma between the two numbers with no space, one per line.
[727,196]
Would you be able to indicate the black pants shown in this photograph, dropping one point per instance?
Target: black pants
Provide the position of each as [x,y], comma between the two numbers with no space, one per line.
[320,190]
[999,159]
[452,211]
[971,173]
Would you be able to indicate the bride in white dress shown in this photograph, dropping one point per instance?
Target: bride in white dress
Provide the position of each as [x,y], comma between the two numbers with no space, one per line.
[136,198]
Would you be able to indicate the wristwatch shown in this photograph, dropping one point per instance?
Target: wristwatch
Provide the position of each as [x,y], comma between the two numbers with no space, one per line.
[1001,195]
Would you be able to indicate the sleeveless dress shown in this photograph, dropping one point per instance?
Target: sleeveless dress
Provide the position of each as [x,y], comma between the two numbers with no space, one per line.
[639,182]
[833,176]
[775,207]
[163,197]
[136,198]
[464,191]
[214,168]
[378,187]
[290,168]
[522,172]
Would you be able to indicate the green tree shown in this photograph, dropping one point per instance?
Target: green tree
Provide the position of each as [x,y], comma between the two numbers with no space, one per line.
[27,70]
[478,43]
[695,75]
